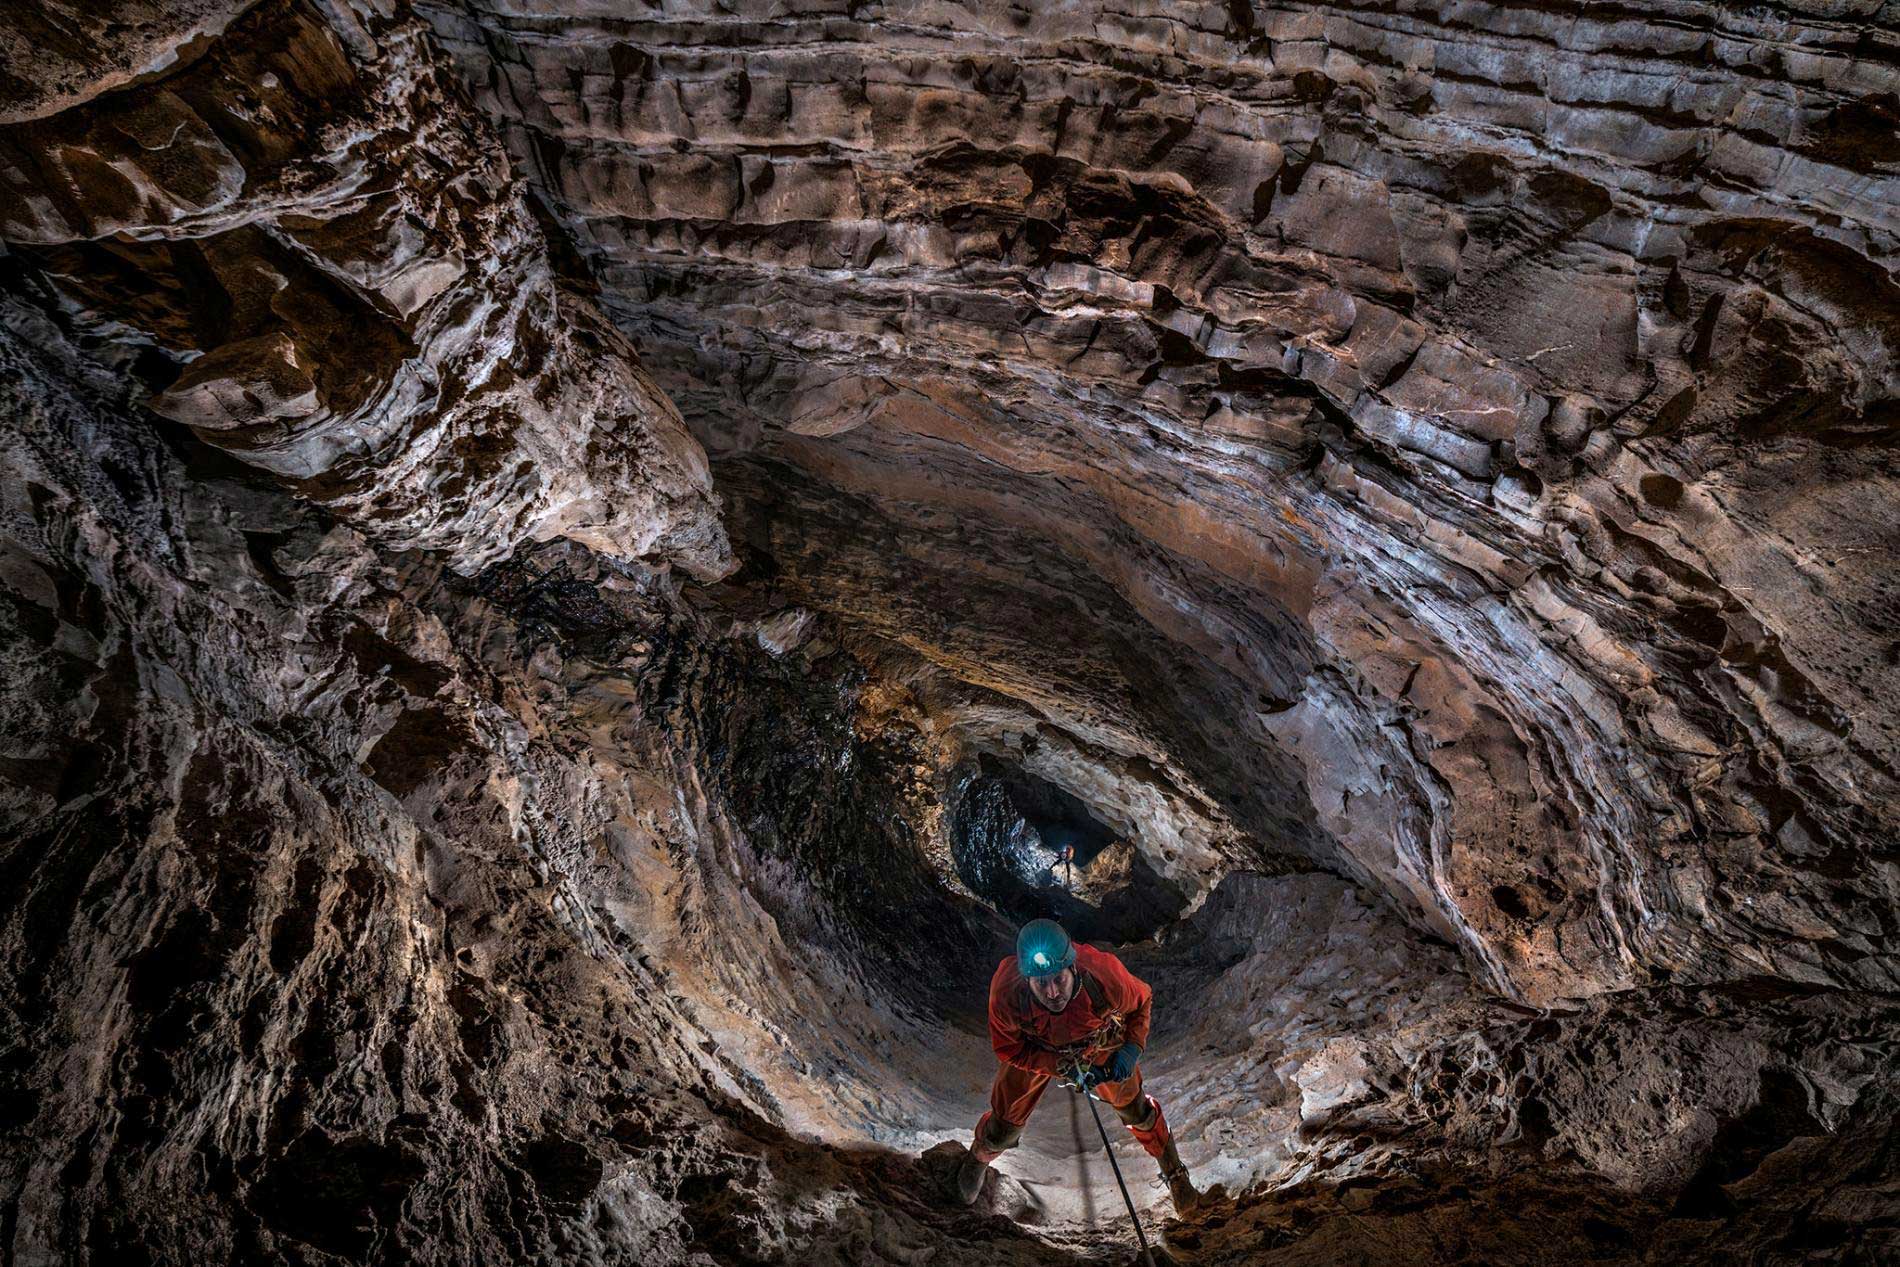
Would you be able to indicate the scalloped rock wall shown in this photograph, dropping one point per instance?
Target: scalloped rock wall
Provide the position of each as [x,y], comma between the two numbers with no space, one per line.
[1451,443]
[514,516]
[331,272]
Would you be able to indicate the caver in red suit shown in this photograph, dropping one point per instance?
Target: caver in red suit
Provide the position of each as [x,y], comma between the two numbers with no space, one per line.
[1100,1026]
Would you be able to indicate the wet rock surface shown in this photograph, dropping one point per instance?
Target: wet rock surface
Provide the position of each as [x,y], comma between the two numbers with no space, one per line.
[566,572]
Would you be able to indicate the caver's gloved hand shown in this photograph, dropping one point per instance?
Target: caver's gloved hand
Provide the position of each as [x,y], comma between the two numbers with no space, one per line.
[1117,1068]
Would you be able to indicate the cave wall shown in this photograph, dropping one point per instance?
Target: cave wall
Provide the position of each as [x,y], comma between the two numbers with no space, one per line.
[1454,444]
[322,940]
[330,271]
[1318,455]
[1452,449]
[355,910]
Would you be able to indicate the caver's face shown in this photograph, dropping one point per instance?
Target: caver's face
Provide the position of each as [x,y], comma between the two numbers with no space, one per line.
[1054,992]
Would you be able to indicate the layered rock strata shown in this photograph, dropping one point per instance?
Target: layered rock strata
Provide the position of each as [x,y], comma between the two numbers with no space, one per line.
[326,264]
[1454,444]
[1420,477]
[357,912]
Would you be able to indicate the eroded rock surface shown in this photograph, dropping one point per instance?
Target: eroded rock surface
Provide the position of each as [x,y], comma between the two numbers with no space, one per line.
[1454,443]
[1413,484]
[353,915]
[328,267]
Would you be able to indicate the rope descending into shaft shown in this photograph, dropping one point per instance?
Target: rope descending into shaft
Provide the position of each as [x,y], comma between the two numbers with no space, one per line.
[1147,1258]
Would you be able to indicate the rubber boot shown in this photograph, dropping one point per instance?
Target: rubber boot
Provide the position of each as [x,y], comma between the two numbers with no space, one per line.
[971,1172]
[1174,1173]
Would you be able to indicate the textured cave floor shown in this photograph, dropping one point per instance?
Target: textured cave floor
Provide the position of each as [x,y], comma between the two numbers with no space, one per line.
[1259,982]
[1350,1097]
[1330,1170]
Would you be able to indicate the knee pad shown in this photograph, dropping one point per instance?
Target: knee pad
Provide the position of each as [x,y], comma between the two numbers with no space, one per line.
[1141,1114]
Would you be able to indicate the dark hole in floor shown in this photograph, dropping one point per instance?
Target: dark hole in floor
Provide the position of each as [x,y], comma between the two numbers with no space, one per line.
[1030,849]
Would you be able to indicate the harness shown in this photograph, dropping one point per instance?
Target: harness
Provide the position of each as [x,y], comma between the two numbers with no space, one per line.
[1101,1036]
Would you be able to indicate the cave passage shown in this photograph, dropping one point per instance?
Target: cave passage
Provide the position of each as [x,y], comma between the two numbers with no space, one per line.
[1010,830]
[570,573]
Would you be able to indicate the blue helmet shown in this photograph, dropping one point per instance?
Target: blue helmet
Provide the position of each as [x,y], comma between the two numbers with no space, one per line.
[1043,949]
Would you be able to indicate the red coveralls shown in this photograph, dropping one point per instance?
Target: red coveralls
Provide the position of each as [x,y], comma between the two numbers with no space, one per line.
[1033,1044]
